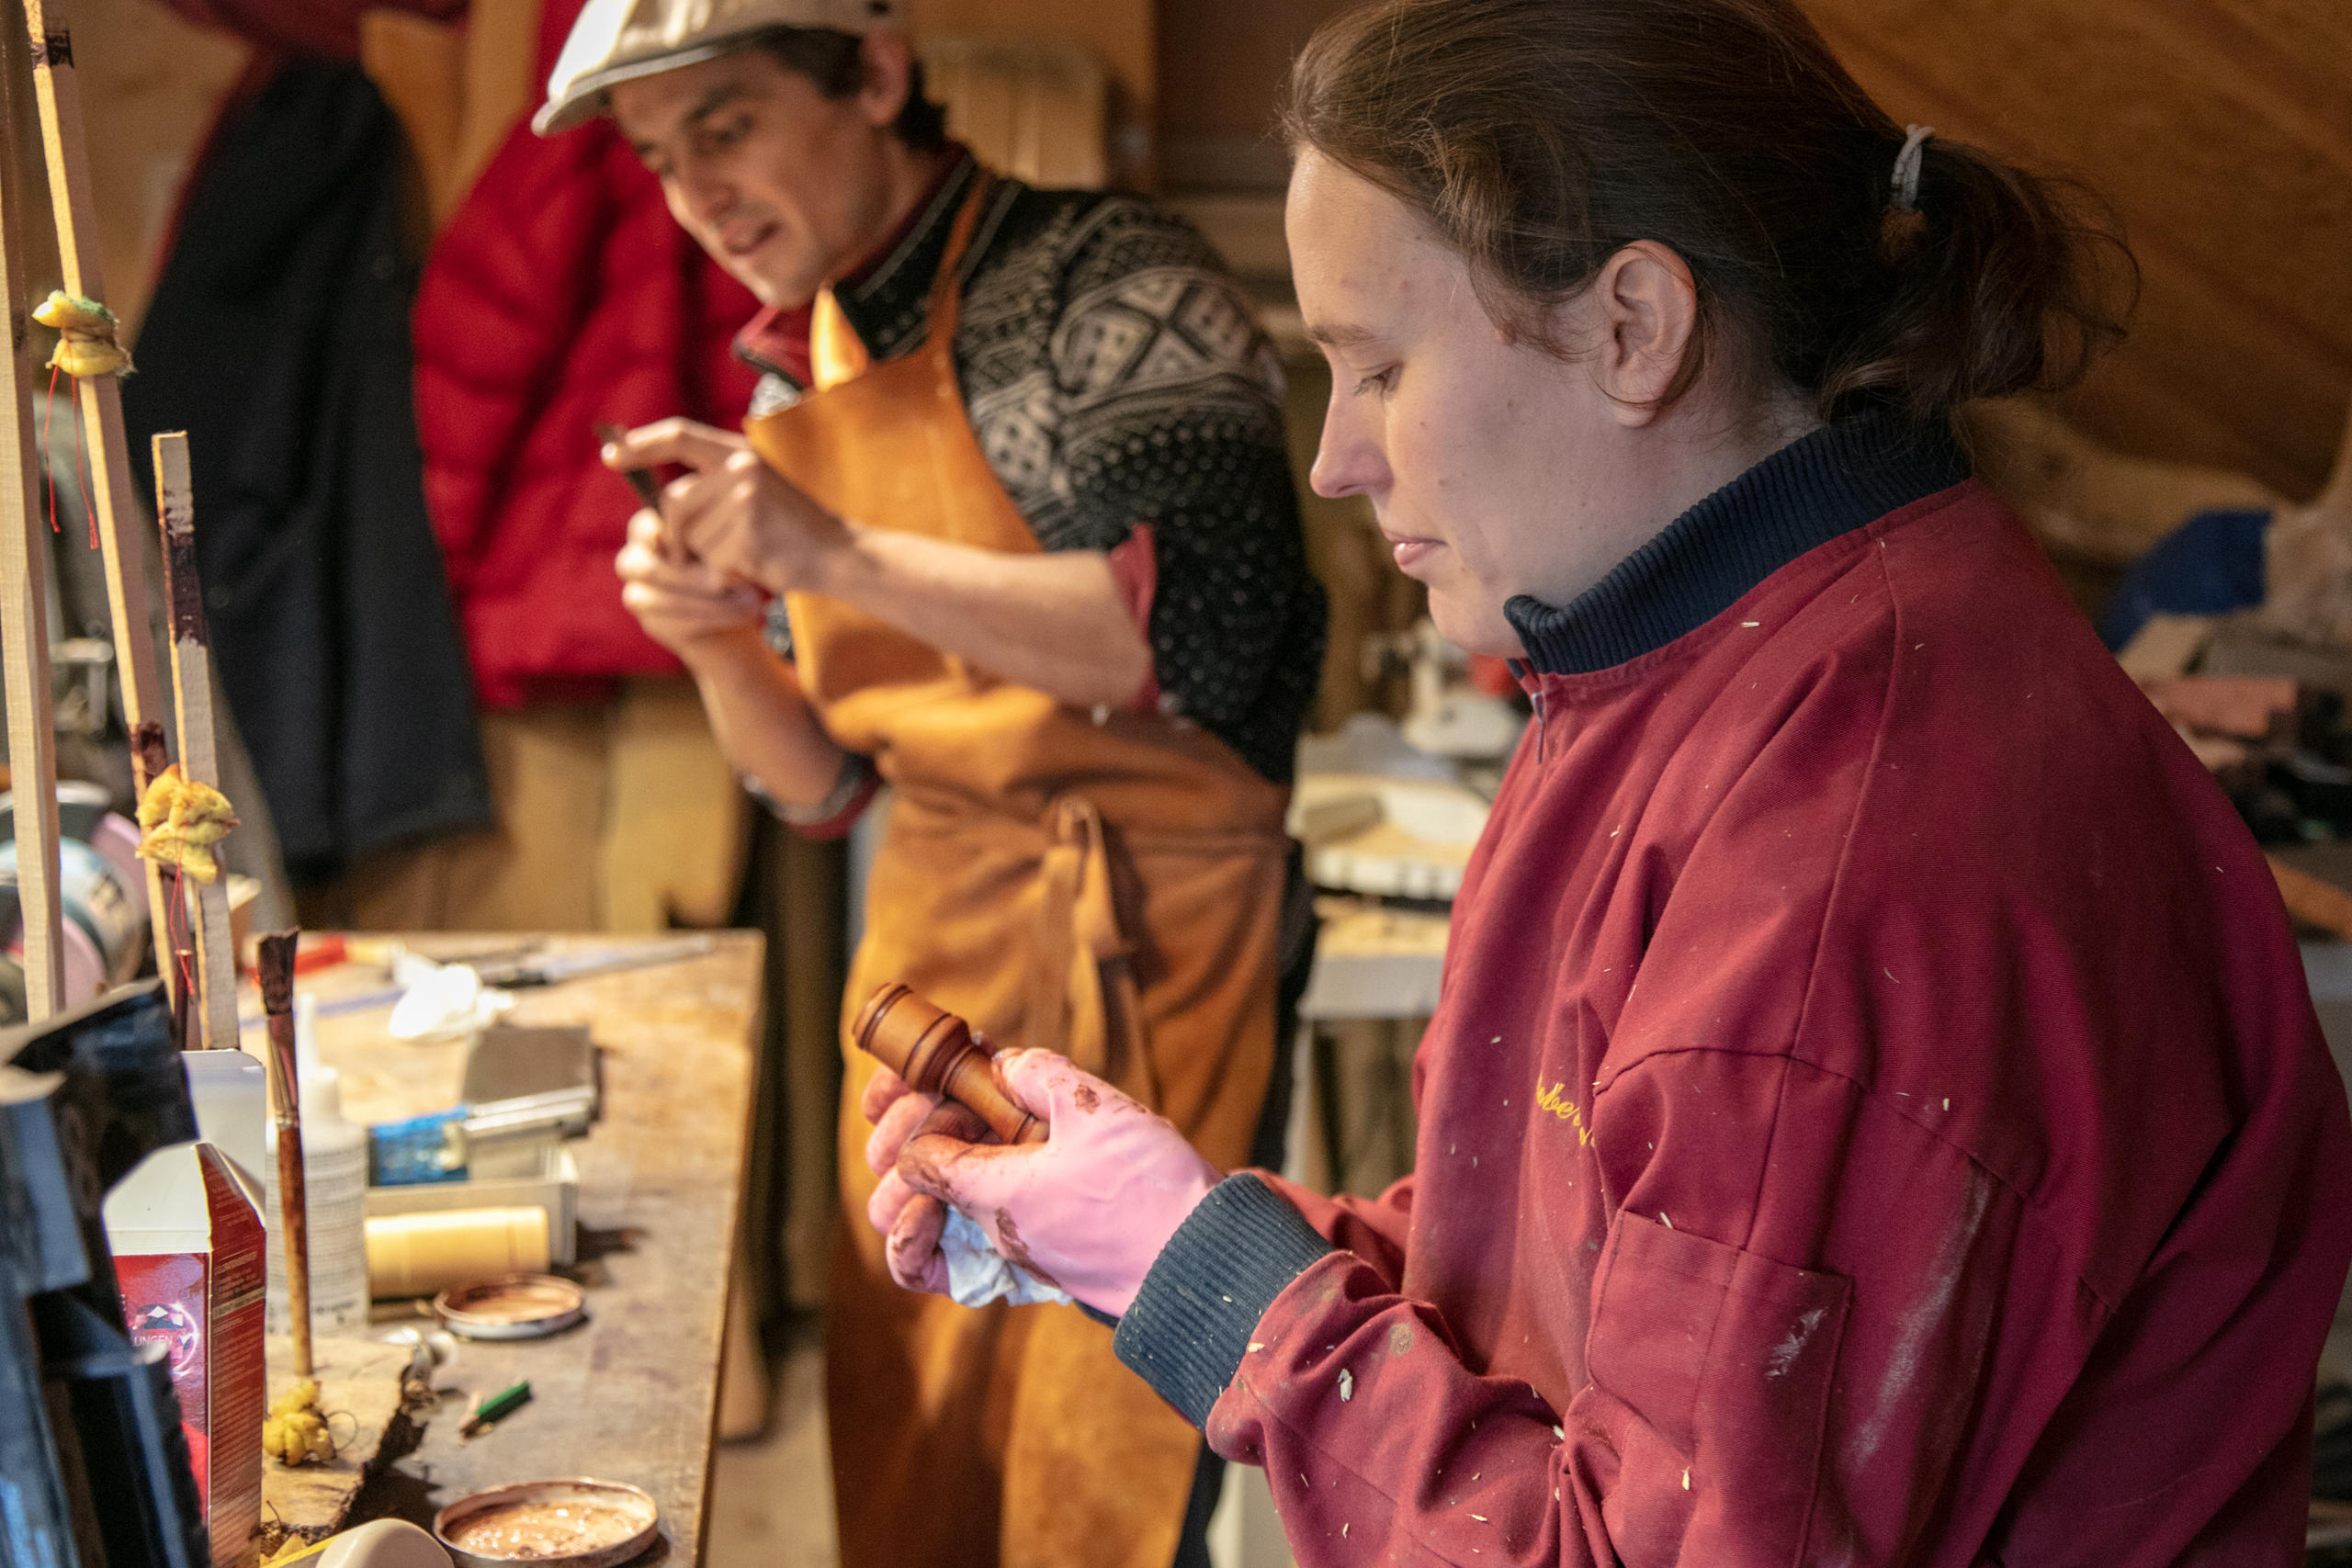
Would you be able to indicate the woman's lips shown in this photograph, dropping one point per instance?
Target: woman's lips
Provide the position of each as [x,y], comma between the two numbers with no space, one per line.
[1409,552]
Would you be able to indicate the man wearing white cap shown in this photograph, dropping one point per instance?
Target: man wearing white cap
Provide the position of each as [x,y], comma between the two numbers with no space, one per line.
[1014,501]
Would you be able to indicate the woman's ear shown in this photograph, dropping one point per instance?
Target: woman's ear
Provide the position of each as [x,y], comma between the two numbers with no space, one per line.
[886,69]
[1649,310]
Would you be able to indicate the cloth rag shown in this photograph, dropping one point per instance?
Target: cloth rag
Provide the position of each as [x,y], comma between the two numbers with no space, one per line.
[978,1274]
[442,1000]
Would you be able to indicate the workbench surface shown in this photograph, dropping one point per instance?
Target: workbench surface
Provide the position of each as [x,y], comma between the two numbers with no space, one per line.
[630,1394]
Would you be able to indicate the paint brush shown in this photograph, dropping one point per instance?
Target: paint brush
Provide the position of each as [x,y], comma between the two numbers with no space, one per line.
[274,968]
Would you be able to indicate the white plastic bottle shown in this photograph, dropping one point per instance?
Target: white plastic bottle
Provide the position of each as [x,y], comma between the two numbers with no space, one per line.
[334,1167]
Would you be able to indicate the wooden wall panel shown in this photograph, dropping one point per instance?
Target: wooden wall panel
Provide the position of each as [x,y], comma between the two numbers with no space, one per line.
[2221,130]
[1222,65]
[1120,32]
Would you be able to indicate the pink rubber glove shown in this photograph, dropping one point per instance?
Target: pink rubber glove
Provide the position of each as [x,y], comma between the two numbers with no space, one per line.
[1088,1210]
[908,1223]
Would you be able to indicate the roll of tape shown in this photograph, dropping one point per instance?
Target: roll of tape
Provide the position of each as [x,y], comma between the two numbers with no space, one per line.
[417,1255]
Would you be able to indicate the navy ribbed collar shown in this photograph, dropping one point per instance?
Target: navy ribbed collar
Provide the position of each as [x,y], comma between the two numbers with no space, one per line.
[1810,491]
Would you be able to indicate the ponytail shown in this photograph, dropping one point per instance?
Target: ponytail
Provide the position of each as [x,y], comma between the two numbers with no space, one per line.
[1538,137]
[1999,283]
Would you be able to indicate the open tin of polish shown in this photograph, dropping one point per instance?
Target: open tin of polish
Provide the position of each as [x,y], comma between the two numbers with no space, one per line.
[563,1523]
[511,1306]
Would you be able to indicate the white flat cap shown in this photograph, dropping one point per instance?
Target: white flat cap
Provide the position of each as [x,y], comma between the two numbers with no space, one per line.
[617,39]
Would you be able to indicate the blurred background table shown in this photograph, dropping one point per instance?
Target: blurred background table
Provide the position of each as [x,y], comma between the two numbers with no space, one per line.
[631,1393]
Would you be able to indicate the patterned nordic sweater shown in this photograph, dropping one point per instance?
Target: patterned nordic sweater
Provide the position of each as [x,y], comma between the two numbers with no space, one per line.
[1117,376]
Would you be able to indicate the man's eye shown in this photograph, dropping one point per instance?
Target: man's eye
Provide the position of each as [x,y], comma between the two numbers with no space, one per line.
[731,132]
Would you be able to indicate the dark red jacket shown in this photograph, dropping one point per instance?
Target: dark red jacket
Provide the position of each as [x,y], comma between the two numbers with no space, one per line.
[562,294]
[1875,1115]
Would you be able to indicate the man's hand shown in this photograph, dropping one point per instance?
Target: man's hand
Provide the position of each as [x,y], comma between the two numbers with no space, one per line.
[686,606]
[1088,1210]
[734,513]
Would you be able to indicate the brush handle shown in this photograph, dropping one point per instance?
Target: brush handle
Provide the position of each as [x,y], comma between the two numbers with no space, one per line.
[937,1054]
[274,968]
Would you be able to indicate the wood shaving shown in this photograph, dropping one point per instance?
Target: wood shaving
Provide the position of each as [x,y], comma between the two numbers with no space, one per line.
[180,819]
[295,1433]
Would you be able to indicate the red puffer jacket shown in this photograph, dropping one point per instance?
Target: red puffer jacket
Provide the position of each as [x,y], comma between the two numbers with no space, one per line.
[560,295]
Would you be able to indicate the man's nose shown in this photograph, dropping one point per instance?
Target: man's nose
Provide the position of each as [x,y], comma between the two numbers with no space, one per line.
[703,193]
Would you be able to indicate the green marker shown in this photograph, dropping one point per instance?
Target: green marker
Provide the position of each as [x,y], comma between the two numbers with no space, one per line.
[503,1402]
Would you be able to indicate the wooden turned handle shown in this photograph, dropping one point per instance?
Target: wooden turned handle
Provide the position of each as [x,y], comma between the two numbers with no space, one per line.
[935,1052]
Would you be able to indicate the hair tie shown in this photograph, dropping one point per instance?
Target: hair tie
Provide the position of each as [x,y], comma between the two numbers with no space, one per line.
[1906,167]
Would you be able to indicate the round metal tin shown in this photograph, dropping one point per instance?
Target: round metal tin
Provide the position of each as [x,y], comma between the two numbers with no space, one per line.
[554,1524]
[511,1306]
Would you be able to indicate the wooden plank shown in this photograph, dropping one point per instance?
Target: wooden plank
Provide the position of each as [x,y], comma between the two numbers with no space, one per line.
[58,96]
[2312,900]
[630,1394]
[358,1378]
[24,624]
[216,964]
[2224,134]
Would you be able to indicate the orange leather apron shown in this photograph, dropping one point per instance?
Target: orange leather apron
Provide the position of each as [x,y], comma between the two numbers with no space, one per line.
[1109,889]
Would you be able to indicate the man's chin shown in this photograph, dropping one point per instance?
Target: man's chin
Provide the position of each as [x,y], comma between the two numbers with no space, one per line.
[773,281]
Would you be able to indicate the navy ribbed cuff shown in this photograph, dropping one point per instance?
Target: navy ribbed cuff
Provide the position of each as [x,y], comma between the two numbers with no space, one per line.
[1190,1324]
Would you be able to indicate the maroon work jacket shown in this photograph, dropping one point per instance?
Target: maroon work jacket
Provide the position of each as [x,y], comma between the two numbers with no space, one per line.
[1875,1115]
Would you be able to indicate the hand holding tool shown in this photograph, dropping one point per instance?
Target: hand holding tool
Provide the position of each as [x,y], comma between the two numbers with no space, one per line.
[1088,1210]
[641,480]
[934,1052]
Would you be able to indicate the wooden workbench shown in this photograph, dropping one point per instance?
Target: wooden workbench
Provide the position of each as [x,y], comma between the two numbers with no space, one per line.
[631,1393]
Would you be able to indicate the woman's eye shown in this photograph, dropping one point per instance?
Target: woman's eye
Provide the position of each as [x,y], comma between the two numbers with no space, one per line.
[1376,382]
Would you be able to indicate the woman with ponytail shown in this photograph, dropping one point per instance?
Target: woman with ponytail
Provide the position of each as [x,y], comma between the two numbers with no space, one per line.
[1875,1113]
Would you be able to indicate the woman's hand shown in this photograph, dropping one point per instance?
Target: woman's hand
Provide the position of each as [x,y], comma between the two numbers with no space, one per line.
[1088,1210]
[686,606]
[733,512]
[908,1222]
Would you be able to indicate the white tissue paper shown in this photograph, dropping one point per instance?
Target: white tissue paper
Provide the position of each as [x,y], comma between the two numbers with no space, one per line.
[443,1000]
[978,1273]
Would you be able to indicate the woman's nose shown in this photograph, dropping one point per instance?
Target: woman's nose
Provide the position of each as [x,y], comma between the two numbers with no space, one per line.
[1347,460]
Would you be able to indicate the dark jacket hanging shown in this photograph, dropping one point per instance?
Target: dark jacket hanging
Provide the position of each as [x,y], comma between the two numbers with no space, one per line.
[278,339]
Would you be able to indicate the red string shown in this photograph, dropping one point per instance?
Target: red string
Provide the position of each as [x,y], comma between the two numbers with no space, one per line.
[176,927]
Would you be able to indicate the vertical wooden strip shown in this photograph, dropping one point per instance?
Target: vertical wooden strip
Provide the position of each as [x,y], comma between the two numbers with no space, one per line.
[216,966]
[58,96]
[24,622]
[273,973]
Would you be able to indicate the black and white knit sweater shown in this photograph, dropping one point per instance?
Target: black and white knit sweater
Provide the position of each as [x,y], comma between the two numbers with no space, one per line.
[1116,376]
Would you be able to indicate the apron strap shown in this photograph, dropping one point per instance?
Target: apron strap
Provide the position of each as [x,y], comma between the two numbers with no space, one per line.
[835,352]
[1082,995]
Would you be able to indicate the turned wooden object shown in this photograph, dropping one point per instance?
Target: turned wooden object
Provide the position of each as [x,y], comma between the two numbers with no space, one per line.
[274,967]
[936,1052]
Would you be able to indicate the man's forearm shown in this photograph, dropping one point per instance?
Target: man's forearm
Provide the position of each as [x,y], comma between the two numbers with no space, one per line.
[763,724]
[1055,622]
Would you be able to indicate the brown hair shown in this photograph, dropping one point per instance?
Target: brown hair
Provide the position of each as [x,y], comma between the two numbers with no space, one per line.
[1538,137]
[833,62]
